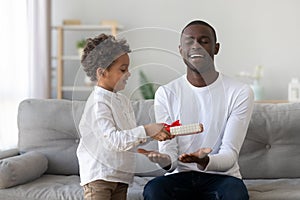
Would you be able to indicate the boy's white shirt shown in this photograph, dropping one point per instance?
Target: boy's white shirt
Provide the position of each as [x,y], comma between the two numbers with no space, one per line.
[224,108]
[108,131]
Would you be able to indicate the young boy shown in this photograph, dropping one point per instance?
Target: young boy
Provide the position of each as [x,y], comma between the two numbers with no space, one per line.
[108,126]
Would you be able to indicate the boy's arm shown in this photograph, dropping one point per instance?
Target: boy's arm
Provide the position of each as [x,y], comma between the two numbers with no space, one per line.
[105,128]
[107,133]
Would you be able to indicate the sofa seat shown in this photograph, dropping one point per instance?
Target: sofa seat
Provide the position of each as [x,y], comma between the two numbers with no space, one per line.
[50,187]
[135,191]
[274,189]
[47,187]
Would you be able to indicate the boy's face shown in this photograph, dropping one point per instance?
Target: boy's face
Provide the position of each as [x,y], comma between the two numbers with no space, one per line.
[114,78]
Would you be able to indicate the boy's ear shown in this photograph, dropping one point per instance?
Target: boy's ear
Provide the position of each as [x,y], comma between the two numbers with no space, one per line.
[100,72]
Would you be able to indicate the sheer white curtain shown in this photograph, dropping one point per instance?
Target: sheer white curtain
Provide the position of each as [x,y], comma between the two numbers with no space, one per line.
[23,65]
[39,46]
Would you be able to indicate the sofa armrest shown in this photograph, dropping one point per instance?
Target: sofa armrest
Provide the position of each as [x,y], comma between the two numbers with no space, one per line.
[9,153]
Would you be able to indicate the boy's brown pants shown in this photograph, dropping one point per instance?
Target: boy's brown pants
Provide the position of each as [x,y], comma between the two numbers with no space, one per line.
[105,190]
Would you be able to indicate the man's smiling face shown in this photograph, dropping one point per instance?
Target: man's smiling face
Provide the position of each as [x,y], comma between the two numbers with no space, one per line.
[198,47]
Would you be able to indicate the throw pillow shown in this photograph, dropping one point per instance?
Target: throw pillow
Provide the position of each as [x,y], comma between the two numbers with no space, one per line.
[22,168]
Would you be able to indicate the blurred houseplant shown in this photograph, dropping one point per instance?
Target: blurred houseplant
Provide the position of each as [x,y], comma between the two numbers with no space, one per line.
[147,89]
[80,44]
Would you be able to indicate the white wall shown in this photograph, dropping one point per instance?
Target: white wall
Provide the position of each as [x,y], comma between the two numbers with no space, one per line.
[251,33]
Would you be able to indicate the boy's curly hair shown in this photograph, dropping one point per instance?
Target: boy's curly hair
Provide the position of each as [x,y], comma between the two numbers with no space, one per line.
[102,51]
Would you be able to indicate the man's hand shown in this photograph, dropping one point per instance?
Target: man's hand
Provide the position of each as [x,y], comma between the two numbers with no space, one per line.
[157,132]
[163,160]
[200,157]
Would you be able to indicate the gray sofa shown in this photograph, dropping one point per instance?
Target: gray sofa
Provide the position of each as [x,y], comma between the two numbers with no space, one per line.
[45,165]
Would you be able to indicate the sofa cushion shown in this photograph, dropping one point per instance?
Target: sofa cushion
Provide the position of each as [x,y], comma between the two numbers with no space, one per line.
[47,187]
[50,127]
[9,153]
[144,111]
[271,148]
[22,168]
[273,189]
[135,190]
[45,126]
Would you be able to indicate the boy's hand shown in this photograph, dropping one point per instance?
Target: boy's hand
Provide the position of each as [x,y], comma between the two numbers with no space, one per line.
[163,160]
[157,131]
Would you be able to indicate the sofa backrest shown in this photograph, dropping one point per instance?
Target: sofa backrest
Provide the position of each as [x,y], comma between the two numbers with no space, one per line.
[271,148]
[50,127]
[272,145]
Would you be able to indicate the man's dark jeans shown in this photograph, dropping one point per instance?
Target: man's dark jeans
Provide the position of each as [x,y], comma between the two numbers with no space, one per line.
[195,185]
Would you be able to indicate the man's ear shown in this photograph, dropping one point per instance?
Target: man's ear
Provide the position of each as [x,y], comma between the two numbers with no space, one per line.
[217,47]
[180,50]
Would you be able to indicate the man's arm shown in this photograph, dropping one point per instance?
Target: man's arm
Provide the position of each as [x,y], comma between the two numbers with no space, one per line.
[234,133]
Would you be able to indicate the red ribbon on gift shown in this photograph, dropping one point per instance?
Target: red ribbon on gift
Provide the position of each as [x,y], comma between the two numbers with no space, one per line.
[168,126]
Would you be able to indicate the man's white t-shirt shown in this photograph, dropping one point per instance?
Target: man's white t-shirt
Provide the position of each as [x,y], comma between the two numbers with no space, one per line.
[223,107]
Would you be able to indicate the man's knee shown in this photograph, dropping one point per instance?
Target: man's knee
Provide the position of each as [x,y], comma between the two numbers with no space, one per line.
[154,188]
[152,185]
[235,189]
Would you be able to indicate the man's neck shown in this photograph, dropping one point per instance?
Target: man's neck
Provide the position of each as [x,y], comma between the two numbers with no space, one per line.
[202,79]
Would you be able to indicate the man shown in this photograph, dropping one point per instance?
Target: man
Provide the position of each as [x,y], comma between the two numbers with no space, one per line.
[206,163]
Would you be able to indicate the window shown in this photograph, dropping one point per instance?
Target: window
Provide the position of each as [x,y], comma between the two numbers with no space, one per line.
[14,67]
